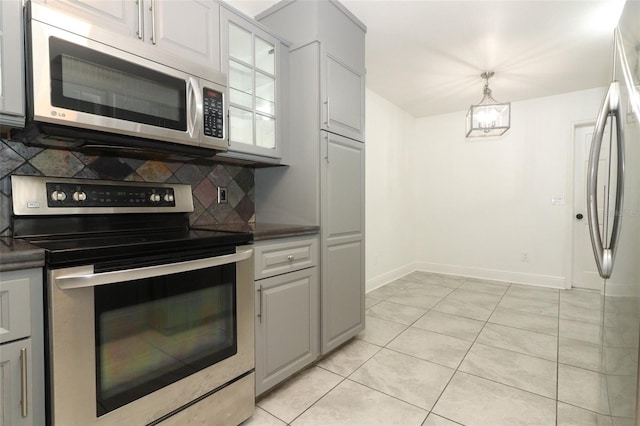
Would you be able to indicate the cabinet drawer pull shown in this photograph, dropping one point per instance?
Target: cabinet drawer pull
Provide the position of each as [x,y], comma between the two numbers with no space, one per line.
[328,122]
[140,31]
[153,21]
[23,382]
[260,303]
[290,258]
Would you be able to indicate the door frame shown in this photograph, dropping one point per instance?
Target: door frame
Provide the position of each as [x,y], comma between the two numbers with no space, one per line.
[568,285]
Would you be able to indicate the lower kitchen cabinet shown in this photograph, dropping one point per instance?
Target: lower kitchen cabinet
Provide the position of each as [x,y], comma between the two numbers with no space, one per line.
[17,388]
[287,312]
[342,232]
[21,348]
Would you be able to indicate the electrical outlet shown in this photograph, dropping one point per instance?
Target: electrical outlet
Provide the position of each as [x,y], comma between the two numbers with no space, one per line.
[222,195]
[524,257]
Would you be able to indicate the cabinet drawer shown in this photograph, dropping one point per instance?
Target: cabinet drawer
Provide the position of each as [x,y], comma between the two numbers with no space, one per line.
[275,258]
[15,301]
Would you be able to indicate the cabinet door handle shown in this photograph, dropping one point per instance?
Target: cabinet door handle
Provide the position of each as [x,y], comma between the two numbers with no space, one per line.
[140,31]
[326,138]
[260,303]
[23,382]
[328,116]
[153,21]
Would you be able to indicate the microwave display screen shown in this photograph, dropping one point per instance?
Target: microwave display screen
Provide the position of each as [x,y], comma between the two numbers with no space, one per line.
[93,82]
[213,113]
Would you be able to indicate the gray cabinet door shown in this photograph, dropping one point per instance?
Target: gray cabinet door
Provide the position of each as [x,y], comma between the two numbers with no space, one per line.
[21,348]
[11,60]
[287,323]
[343,97]
[256,63]
[342,176]
[121,16]
[188,29]
[15,380]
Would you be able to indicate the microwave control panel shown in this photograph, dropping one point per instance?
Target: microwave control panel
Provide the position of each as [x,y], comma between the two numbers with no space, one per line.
[213,112]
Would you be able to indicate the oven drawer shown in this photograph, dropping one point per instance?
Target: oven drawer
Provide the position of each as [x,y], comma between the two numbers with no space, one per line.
[275,258]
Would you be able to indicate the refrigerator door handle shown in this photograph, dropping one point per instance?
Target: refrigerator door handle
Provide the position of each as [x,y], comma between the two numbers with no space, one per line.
[605,255]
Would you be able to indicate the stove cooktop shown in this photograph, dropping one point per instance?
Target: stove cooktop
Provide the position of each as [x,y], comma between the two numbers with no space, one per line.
[74,250]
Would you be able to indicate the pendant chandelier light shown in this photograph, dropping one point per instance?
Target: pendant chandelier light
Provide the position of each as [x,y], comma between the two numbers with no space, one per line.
[488,118]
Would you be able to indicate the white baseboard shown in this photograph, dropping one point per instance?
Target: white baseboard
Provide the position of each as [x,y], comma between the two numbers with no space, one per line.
[387,277]
[494,275]
[620,290]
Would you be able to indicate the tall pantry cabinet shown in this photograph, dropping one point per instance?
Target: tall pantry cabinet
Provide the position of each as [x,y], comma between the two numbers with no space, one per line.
[325,182]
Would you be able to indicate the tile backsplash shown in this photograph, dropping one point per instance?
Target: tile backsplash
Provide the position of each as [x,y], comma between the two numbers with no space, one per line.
[203,176]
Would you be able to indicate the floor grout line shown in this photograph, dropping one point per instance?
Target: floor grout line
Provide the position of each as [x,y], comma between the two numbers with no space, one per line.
[466,353]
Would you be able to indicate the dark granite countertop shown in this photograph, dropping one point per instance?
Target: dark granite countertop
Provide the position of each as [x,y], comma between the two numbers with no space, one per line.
[265,231]
[18,254]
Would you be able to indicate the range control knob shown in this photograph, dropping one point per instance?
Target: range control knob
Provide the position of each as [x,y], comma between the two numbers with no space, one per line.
[79,196]
[168,198]
[58,195]
[155,198]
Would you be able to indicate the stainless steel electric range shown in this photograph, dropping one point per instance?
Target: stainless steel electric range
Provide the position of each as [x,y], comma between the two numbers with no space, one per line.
[148,322]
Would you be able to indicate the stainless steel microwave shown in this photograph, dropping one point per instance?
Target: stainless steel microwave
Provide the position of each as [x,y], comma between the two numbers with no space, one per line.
[87,87]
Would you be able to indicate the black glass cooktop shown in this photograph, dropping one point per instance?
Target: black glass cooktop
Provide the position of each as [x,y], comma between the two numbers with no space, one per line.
[175,244]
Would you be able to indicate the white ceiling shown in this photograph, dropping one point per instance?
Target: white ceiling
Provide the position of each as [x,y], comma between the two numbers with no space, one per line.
[426,56]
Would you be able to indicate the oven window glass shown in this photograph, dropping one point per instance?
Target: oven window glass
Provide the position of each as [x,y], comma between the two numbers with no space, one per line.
[87,80]
[153,332]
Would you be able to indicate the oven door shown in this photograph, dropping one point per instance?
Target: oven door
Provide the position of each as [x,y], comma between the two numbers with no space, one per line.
[132,346]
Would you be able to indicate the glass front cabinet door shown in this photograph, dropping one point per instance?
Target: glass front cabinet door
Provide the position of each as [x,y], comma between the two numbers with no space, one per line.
[252,59]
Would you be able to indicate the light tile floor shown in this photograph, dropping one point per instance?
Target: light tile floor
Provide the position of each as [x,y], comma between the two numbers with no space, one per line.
[441,350]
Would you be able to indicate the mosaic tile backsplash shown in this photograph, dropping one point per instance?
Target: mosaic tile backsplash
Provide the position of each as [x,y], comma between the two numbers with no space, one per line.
[204,178]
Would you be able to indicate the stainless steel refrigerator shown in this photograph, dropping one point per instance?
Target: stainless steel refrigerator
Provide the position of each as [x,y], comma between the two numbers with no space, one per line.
[614,222]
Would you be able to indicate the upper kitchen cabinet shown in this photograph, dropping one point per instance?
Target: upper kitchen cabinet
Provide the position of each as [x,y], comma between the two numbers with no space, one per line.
[325,182]
[11,64]
[186,29]
[342,37]
[343,99]
[125,17]
[256,64]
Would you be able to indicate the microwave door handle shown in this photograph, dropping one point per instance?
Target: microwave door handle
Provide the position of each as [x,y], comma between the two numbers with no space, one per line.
[605,256]
[82,279]
[194,107]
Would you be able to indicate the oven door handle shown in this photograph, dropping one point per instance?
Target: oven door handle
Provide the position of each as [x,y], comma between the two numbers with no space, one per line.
[67,282]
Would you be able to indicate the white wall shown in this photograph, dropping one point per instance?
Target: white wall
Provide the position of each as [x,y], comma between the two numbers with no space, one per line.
[482,203]
[390,218]
[436,201]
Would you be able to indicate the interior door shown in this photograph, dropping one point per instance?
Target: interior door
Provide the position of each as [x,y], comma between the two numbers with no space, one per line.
[585,272]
